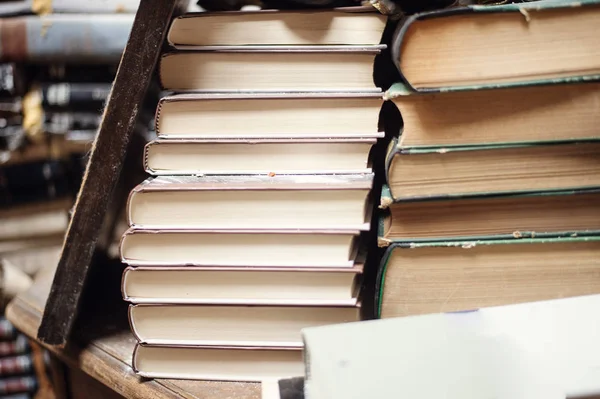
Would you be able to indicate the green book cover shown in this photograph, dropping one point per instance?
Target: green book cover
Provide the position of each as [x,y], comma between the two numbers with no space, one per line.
[385,220]
[466,245]
[528,12]
[395,150]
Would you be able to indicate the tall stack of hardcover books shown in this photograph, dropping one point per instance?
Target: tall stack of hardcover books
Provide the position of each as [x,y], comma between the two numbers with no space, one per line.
[250,228]
[493,186]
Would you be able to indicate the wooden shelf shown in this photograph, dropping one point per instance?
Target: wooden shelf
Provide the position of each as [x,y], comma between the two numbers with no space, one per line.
[101,346]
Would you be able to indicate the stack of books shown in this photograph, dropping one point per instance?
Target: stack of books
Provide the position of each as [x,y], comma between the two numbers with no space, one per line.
[493,185]
[250,229]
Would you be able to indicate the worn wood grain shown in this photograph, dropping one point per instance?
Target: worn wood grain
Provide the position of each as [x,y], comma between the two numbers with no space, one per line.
[104,166]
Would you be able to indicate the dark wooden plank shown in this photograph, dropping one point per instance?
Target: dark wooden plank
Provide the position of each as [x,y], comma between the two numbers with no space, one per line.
[104,167]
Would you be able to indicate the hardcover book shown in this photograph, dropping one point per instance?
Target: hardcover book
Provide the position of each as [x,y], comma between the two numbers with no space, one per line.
[229,285]
[231,325]
[498,45]
[527,114]
[289,248]
[269,115]
[414,173]
[219,364]
[493,216]
[252,202]
[418,278]
[343,26]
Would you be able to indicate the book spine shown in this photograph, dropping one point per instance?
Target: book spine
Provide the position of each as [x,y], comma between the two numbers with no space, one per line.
[35,181]
[79,38]
[7,330]
[16,365]
[12,80]
[16,347]
[55,73]
[63,122]
[17,385]
[75,95]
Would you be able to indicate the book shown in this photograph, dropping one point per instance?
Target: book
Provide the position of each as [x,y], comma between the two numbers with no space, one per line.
[7,330]
[12,80]
[252,202]
[497,46]
[227,285]
[343,26]
[18,346]
[468,171]
[16,365]
[495,216]
[285,248]
[74,96]
[99,38]
[231,326]
[59,72]
[321,68]
[18,384]
[36,219]
[265,156]
[534,350]
[528,114]
[262,115]
[418,278]
[219,364]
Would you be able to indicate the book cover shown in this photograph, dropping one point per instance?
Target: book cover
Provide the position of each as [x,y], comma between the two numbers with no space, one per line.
[526,10]
[83,38]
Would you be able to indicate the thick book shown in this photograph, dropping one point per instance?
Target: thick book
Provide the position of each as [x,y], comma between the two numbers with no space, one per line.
[271,69]
[497,46]
[73,38]
[73,96]
[343,26]
[266,156]
[232,325]
[269,115]
[35,220]
[35,181]
[252,202]
[12,365]
[527,114]
[226,285]
[418,278]
[7,330]
[18,346]
[286,248]
[495,216]
[10,385]
[534,350]
[60,72]
[13,80]
[218,364]
[414,173]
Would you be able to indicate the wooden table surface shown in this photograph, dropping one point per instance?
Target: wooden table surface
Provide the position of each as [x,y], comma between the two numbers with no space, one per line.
[103,350]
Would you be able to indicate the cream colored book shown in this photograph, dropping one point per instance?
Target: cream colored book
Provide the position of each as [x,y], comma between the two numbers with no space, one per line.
[258,156]
[252,202]
[231,325]
[197,285]
[343,26]
[285,248]
[269,115]
[218,364]
[273,69]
